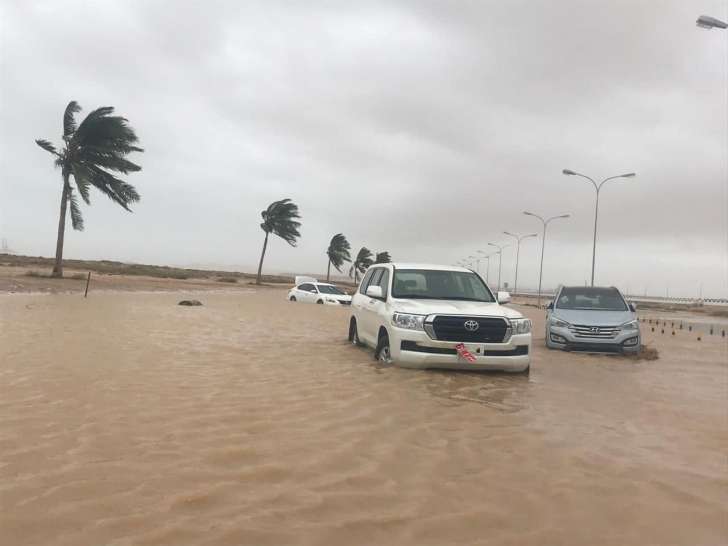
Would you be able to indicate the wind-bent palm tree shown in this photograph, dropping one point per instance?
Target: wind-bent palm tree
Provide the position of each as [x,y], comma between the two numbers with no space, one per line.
[98,145]
[362,262]
[280,218]
[382,258]
[338,253]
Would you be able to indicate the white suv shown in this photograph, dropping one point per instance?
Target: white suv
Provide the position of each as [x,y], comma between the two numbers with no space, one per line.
[437,316]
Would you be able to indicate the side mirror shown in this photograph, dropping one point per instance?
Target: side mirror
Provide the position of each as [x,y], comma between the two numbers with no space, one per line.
[633,307]
[550,305]
[374,292]
[504,297]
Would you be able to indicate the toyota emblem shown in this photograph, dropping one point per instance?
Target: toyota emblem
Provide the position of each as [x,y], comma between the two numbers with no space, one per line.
[471,325]
[595,330]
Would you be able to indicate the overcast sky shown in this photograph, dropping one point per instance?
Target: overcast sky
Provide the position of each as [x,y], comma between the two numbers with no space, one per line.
[421,128]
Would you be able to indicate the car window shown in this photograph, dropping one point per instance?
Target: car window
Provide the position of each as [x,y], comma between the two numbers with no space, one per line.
[376,277]
[307,287]
[365,281]
[383,281]
[328,289]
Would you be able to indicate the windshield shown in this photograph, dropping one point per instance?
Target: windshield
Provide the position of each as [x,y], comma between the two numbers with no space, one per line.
[328,289]
[439,285]
[597,299]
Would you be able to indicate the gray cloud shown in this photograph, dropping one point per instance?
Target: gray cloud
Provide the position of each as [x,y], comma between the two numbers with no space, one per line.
[423,128]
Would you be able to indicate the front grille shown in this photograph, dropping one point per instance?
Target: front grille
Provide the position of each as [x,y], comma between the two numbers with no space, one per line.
[594,332]
[452,328]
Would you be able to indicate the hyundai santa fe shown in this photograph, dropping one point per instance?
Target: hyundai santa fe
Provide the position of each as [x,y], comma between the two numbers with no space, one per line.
[592,319]
[436,316]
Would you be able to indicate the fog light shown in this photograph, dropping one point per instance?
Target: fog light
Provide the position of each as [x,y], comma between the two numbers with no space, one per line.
[557,338]
[631,342]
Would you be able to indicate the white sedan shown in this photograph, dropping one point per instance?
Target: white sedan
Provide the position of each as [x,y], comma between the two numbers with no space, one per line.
[319,292]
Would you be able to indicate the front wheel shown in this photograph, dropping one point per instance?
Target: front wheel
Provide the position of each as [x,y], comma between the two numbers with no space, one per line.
[383,353]
[292,298]
[354,334]
[320,302]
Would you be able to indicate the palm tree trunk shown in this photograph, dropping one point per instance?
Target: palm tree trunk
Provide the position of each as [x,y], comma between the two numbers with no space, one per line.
[262,255]
[328,271]
[58,267]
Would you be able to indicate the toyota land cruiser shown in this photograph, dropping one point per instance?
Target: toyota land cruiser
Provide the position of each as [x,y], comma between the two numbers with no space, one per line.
[436,316]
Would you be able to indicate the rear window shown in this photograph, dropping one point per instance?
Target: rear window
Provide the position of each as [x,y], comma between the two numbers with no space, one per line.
[589,298]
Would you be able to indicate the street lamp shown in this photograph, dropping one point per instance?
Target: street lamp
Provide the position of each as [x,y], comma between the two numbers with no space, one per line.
[518,253]
[487,266]
[477,267]
[597,187]
[543,244]
[708,22]
[500,260]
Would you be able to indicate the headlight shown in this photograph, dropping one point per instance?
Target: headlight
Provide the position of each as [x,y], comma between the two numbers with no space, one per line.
[409,322]
[631,326]
[331,300]
[521,326]
[559,323]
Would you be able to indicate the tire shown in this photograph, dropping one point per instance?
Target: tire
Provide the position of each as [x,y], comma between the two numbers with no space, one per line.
[292,298]
[320,302]
[383,353]
[354,334]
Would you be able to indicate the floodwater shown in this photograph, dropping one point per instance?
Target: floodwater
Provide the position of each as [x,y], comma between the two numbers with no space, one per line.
[128,420]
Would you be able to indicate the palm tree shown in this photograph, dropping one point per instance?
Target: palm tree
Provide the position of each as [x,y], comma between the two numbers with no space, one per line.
[362,262]
[280,218]
[98,145]
[382,258]
[338,253]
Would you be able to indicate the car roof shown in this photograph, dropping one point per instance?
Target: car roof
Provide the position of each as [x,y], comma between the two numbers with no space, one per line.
[437,267]
[323,283]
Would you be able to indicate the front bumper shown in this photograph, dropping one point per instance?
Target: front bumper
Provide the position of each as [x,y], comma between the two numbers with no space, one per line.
[626,341]
[415,349]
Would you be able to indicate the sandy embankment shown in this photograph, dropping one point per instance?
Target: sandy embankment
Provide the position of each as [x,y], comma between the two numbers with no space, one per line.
[128,420]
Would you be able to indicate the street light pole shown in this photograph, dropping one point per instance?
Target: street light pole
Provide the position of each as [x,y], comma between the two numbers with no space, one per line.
[518,253]
[500,261]
[543,245]
[487,266]
[597,187]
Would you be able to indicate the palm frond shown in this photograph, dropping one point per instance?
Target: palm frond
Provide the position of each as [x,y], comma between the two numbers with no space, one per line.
[122,193]
[363,260]
[69,122]
[76,217]
[280,218]
[382,258]
[108,160]
[104,133]
[82,176]
[338,251]
[47,146]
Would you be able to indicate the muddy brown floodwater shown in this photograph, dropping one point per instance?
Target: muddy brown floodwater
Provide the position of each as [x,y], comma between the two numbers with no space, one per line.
[128,420]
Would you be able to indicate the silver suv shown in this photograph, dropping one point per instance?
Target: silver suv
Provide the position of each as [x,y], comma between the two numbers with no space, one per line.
[592,319]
